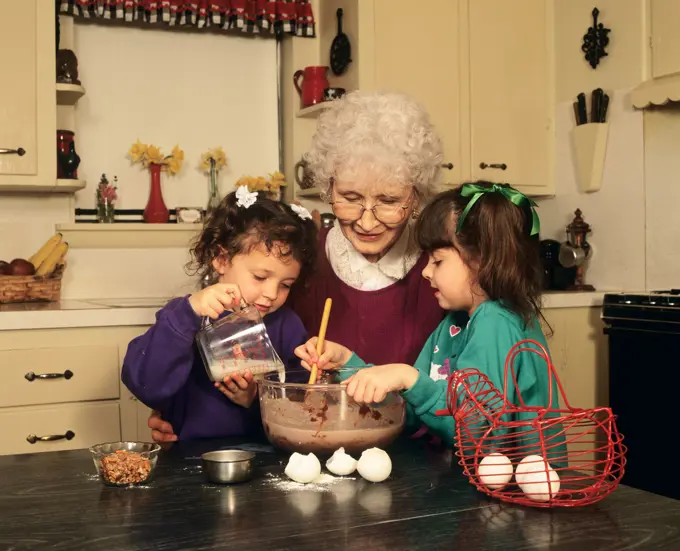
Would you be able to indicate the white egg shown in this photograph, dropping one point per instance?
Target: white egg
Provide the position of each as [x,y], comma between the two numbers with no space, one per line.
[303,468]
[341,464]
[495,471]
[374,465]
[531,463]
[539,485]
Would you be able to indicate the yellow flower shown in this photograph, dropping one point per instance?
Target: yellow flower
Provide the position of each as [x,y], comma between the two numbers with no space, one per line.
[174,165]
[217,155]
[220,157]
[153,155]
[137,151]
[205,161]
[177,153]
[276,180]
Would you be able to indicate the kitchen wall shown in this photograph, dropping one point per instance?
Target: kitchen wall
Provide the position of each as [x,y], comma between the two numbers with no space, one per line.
[195,89]
[616,213]
[198,90]
[662,180]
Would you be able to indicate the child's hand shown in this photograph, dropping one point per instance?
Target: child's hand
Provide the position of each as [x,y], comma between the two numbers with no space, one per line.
[214,300]
[240,389]
[333,355]
[373,383]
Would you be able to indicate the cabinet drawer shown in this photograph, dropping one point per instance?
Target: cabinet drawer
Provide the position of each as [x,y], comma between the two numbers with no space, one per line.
[89,423]
[76,373]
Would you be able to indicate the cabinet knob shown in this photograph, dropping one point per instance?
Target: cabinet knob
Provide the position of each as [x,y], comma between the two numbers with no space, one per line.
[449,166]
[501,166]
[30,376]
[19,151]
[68,435]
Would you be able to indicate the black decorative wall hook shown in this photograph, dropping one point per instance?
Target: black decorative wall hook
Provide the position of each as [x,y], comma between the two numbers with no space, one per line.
[595,41]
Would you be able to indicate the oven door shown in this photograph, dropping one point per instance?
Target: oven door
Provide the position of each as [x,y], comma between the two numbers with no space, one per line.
[644,391]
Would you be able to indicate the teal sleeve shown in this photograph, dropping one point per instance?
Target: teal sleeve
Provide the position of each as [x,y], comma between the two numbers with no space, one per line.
[354,364]
[427,396]
[490,341]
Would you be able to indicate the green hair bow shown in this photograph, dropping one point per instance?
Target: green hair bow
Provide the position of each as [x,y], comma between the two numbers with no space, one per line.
[475,191]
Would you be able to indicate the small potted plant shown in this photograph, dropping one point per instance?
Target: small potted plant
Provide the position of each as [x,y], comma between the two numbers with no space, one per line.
[107,195]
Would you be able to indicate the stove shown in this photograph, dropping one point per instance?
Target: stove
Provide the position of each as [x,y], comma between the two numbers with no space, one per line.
[657,310]
[643,330]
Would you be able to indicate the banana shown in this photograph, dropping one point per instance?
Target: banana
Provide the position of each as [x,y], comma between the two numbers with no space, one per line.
[51,261]
[44,251]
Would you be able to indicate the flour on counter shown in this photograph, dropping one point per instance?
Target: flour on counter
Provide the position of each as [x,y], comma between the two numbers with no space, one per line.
[322,484]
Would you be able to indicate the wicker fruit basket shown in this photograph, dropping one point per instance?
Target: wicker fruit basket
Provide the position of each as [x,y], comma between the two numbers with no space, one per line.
[47,288]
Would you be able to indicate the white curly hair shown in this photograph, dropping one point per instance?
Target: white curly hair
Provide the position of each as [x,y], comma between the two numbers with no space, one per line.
[386,134]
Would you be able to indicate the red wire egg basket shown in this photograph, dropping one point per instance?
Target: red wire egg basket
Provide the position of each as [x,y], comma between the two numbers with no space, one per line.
[542,456]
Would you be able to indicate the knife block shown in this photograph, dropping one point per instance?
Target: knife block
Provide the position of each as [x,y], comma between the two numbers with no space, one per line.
[590,151]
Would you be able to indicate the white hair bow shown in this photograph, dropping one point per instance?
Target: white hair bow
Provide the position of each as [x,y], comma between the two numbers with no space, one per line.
[302,212]
[245,197]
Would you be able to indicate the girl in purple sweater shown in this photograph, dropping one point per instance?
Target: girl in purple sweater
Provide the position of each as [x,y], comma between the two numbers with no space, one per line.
[257,248]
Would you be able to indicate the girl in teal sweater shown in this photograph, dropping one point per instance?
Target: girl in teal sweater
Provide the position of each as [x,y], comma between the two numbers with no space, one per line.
[482,239]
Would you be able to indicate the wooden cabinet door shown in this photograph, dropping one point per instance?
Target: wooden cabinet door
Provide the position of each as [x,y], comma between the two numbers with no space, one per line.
[417,53]
[27,94]
[511,93]
[665,37]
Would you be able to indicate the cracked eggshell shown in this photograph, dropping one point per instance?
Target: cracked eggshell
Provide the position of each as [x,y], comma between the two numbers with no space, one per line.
[374,465]
[341,464]
[303,468]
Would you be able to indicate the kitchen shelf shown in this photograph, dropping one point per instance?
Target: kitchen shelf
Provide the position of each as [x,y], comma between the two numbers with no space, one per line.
[69,185]
[312,111]
[311,193]
[128,235]
[69,94]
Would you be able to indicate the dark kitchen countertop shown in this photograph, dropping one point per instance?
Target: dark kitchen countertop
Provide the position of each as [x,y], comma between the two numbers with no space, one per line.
[53,501]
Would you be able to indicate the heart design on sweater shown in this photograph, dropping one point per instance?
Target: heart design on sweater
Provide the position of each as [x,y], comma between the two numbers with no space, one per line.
[454,330]
[436,348]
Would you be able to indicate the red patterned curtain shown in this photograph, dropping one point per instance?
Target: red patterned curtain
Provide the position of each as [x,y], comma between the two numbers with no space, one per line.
[251,16]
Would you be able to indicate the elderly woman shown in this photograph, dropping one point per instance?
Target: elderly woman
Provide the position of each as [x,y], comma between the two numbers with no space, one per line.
[375,158]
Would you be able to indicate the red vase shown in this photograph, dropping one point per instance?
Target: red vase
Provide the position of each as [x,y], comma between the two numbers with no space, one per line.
[156,212]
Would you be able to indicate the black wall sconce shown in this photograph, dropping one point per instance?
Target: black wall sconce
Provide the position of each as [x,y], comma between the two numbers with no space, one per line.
[595,41]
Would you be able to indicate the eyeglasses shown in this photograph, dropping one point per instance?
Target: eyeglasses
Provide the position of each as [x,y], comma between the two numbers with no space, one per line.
[386,214]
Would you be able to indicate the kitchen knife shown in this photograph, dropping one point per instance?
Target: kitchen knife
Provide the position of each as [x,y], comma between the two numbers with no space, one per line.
[582,112]
[595,102]
[576,115]
[603,108]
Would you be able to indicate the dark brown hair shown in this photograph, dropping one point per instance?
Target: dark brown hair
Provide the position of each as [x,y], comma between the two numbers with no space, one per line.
[495,239]
[231,229]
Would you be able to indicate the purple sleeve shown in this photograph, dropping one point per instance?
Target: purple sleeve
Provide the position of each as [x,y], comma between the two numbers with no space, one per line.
[157,363]
[293,334]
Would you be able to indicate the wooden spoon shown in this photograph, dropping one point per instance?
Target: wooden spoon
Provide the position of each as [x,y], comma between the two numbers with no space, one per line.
[322,337]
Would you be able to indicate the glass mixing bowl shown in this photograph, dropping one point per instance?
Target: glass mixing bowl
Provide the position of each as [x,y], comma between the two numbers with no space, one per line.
[321,418]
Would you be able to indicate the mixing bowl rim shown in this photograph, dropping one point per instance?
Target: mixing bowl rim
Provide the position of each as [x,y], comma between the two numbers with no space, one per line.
[249,456]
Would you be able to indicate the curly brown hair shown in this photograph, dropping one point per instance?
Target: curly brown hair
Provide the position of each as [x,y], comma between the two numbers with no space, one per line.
[230,230]
[495,238]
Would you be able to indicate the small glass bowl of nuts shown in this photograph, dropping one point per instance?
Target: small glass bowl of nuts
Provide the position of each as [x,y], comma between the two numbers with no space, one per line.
[125,463]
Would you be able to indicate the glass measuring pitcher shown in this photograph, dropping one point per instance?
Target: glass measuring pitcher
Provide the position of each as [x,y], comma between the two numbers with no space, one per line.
[236,343]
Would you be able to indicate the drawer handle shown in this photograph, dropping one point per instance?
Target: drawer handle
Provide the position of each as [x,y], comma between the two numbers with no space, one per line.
[19,151]
[448,166]
[502,166]
[32,438]
[30,376]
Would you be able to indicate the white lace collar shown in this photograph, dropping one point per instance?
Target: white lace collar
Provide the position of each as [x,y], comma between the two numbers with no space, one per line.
[353,268]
